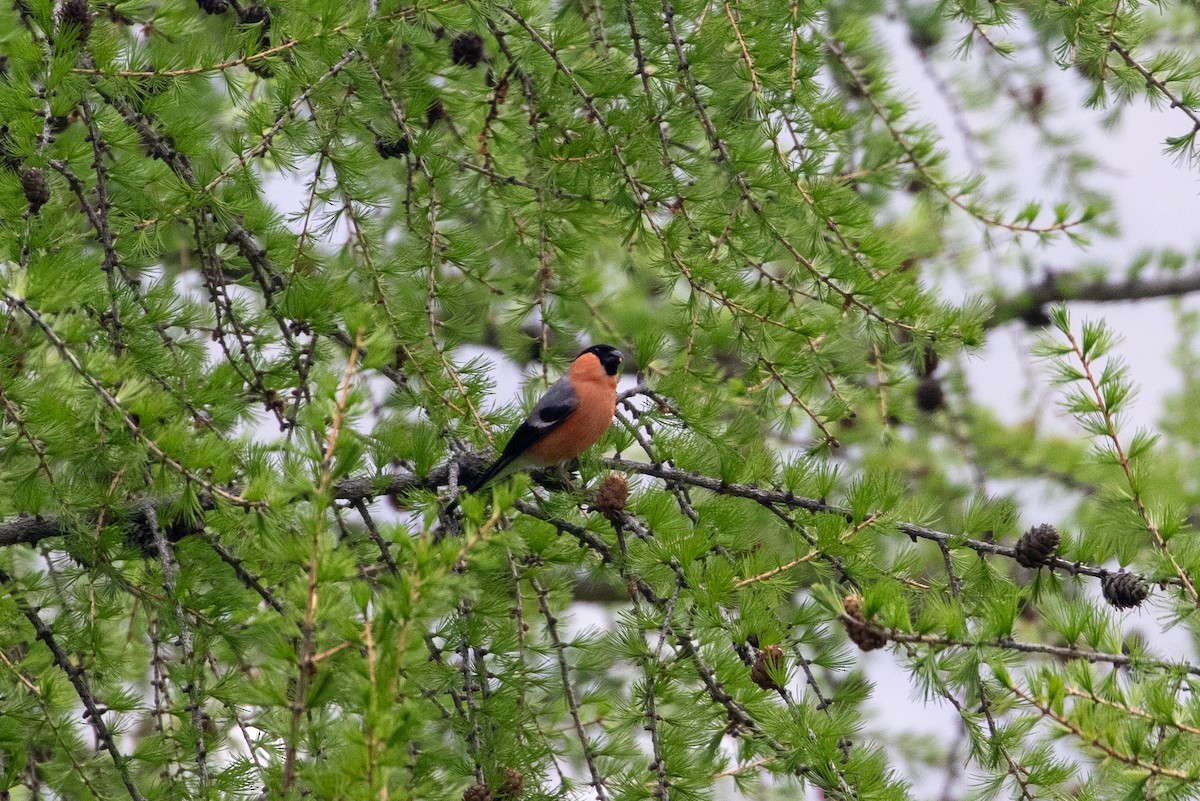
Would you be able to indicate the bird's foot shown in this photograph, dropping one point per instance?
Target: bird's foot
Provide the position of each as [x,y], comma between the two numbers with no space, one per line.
[559,477]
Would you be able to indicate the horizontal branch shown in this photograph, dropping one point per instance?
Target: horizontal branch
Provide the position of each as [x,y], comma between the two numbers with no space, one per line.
[1071,286]
[773,499]
[30,530]
[1063,652]
[221,67]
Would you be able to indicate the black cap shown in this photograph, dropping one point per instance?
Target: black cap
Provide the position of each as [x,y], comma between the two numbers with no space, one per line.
[609,357]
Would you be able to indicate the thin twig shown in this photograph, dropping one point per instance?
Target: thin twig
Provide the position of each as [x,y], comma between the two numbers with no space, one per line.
[1110,426]
[1095,741]
[589,753]
[1130,710]
[1063,652]
[308,629]
[170,572]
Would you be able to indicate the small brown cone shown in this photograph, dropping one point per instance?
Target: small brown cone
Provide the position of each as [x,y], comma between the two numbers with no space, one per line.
[514,785]
[769,660]
[929,395]
[391,149]
[1037,546]
[467,49]
[1124,590]
[866,635]
[252,15]
[477,792]
[612,495]
[78,14]
[37,191]
[436,113]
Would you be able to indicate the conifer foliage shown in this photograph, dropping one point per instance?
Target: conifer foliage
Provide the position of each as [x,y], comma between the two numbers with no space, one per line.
[262,262]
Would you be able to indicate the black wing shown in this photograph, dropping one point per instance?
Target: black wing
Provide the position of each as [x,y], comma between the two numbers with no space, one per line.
[555,406]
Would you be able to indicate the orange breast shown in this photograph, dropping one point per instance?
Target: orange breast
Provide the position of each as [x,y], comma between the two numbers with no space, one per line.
[585,426]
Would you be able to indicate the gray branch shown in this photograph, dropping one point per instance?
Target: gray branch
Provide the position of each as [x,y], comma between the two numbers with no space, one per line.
[31,530]
[1030,304]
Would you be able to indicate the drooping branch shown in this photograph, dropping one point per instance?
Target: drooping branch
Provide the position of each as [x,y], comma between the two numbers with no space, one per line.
[956,197]
[78,676]
[569,692]
[195,709]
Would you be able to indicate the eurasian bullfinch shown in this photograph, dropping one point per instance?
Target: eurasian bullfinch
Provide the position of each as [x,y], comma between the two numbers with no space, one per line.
[570,418]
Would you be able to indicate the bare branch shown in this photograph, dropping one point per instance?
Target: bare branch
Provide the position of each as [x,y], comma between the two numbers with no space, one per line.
[1070,286]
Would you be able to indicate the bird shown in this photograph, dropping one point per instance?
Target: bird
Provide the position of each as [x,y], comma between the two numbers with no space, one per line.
[570,418]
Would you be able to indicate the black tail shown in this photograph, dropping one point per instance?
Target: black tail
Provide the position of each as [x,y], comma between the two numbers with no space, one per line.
[493,471]
[449,516]
[522,440]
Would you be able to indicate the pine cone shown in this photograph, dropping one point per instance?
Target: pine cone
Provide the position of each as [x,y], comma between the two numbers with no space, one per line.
[1124,590]
[769,660]
[930,362]
[514,785]
[37,191]
[261,68]
[612,495]
[213,6]
[929,395]
[391,148]
[1037,546]
[477,792]
[252,15]
[467,48]
[78,14]
[261,16]
[436,113]
[866,635]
